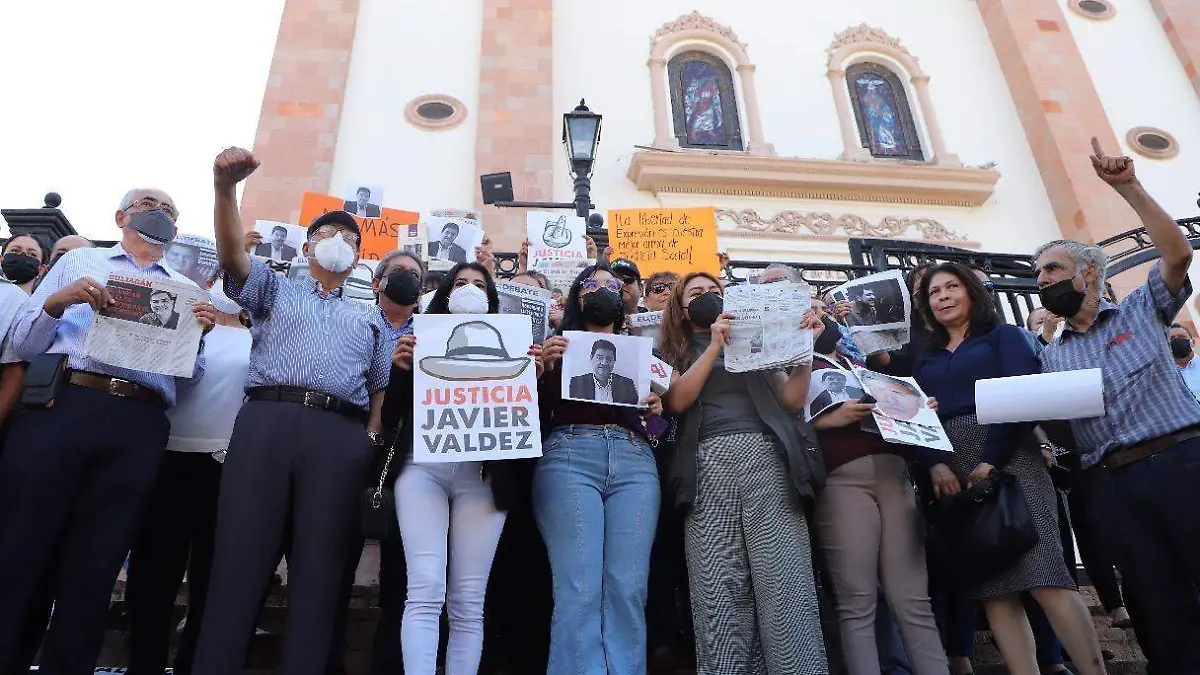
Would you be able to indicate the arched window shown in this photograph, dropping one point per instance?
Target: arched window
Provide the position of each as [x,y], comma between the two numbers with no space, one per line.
[885,121]
[704,102]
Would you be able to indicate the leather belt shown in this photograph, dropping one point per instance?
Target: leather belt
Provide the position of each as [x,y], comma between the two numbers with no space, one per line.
[1135,453]
[307,398]
[115,386]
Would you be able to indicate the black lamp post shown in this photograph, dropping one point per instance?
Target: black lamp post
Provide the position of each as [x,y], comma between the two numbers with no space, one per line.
[580,137]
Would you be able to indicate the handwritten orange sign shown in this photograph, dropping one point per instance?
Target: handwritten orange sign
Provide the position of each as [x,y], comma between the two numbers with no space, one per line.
[380,235]
[665,240]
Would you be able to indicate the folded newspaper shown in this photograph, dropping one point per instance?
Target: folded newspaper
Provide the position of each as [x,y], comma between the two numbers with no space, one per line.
[766,326]
[150,327]
[531,301]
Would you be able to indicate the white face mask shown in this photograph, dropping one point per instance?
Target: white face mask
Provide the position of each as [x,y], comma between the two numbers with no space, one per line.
[222,302]
[334,254]
[469,299]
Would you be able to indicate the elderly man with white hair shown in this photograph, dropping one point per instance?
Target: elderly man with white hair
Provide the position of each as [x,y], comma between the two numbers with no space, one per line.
[75,474]
[1142,457]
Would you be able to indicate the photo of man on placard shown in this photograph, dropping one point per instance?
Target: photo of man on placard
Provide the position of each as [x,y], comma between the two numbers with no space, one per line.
[276,249]
[361,205]
[445,248]
[162,311]
[602,385]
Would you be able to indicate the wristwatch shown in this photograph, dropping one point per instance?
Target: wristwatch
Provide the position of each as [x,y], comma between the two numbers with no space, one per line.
[376,438]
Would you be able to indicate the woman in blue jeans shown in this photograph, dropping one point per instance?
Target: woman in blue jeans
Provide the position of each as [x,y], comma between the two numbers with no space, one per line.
[595,499]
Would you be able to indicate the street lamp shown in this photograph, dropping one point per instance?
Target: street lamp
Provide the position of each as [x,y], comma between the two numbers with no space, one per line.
[580,138]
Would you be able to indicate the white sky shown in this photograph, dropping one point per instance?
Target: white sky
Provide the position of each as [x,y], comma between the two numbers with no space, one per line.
[97,98]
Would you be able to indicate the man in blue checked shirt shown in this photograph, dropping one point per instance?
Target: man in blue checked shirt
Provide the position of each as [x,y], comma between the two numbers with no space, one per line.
[1142,457]
[305,441]
[74,475]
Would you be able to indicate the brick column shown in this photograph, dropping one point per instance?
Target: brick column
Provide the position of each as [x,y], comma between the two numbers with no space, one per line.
[517,121]
[298,126]
[1181,22]
[1060,111]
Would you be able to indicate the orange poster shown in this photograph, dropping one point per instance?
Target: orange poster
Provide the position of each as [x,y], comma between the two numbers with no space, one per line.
[379,235]
[665,240]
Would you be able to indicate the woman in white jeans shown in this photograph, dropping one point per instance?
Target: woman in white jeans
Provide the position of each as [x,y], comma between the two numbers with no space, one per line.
[446,511]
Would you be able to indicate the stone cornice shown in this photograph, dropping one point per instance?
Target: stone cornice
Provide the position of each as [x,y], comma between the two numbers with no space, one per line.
[822,226]
[742,175]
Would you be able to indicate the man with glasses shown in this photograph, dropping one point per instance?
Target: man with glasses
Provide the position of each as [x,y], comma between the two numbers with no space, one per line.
[304,442]
[74,475]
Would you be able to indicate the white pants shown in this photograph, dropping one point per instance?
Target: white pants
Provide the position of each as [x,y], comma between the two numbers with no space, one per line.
[440,504]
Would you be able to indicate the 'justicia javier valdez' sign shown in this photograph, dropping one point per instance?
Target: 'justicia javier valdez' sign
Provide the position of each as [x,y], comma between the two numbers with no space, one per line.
[475,389]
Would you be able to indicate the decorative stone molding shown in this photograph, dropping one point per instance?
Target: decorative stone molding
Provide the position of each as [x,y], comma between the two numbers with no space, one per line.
[886,182]
[1152,142]
[689,30]
[821,224]
[857,44]
[1097,10]
[413,112]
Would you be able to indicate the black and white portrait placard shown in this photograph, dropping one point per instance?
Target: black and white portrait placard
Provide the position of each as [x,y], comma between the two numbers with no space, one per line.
[452,238]
[364,200]
[281,242]
[902,412]
[877,302]
[829,387]
[607,369]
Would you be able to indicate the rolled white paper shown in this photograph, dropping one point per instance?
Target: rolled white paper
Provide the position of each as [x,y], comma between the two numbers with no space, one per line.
[1069,395]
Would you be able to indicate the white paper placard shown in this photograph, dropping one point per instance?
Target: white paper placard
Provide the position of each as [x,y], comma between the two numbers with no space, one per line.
[598,366]
[660,375]
[557,247]
[1069,395]
[474,389]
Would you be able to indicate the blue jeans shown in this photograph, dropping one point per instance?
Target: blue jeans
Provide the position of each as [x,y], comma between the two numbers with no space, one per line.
[595,499]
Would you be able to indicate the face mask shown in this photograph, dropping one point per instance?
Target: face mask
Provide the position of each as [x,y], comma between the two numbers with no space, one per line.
[19,268]
[602,307]
[704,310]
[1062,299]
[426,299]
[334,254]
[1181,347]
[829,338]
[222,302]
[402,287]
[468,299]
[154,227]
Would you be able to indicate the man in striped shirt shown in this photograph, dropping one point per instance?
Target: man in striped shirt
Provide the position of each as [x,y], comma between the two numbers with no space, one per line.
[304,442]
[1142,457]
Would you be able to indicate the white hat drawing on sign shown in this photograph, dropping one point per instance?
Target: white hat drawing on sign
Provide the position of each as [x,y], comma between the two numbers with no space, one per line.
[557,234]
[475,351]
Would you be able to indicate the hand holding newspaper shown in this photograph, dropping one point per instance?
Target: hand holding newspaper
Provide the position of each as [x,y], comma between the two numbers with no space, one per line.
[766,329]
[150,327]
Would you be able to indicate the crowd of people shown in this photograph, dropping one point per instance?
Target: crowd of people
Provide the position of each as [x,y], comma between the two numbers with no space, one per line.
[711,522]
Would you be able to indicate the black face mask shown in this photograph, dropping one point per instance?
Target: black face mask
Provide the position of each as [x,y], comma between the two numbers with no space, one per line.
[602,307]
[1062,299]
[1181,347]
[704,310]
[19,268]
[402,287]
[155,226]
[829,338]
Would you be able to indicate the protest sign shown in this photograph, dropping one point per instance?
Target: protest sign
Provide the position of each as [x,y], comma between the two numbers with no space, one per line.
[149,327]
[557,246]
[452,237]
[475,389]
[765,331]
[364,201]
[380,236]
[830,386]
[532,301]
[878,302]
[901,411]
[665,240]
[281,242]
[604,368]
[192,256]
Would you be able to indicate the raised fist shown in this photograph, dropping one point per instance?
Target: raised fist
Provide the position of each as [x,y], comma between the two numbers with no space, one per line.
[1115,171]
[233,166]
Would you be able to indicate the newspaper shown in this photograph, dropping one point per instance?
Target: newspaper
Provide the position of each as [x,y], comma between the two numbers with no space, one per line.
[531,301]
[766,327]
[150,327]
[645,324]
[901,412]
[878,302]
[882,341]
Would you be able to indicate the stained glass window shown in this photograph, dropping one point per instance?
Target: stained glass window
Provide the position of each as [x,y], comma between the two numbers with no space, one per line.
[704,102]
[885,121]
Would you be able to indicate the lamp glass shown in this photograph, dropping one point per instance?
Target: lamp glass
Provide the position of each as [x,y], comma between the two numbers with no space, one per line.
[582,131]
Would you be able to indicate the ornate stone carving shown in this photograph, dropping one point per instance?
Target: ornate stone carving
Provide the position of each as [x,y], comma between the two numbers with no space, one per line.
[847,225]
[864,34]
[695,21]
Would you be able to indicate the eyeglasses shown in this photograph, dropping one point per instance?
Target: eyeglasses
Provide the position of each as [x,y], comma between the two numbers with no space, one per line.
[150,204]
[327,231]
[590,285]
[661,287]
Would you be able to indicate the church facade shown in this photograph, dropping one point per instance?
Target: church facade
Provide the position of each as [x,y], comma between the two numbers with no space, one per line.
[958,122]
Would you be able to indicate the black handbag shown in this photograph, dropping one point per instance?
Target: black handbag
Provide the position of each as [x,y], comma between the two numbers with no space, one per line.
[379,501]
[982,531]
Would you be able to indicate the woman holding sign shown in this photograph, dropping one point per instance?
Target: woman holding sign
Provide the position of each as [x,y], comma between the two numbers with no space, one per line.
[452,511]
[746,468]
[596,498]
[970,342]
